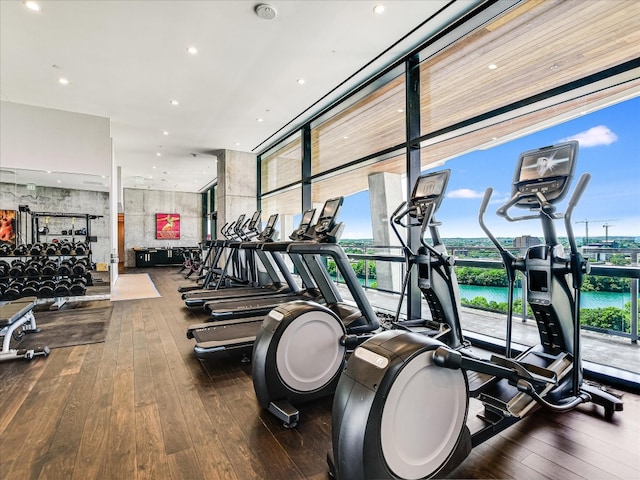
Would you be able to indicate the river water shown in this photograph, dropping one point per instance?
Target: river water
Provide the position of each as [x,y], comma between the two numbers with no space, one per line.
[588,299]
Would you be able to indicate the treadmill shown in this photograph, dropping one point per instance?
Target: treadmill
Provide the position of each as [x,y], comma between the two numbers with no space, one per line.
[238,335]
[308,267]
[278,283]
[218,247]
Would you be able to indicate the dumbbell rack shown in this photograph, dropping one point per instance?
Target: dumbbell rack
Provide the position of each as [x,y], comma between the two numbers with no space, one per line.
[45,226]
[29,271]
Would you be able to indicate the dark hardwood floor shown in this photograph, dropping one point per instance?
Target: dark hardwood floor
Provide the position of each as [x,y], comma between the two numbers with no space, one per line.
[141,406]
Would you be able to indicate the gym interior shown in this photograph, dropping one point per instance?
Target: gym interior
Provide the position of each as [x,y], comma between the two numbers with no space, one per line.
[181,182]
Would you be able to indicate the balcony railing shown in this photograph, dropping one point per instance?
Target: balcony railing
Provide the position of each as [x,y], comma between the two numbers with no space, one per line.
[631,272]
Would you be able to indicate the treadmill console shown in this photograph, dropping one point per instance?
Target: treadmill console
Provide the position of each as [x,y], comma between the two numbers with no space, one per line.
[547,171]
[300,233]
[253,221]
[327,229]
[427,195]
[269,230]
[237,228]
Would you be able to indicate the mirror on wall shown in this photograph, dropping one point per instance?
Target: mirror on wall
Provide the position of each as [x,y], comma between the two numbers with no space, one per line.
[58,216]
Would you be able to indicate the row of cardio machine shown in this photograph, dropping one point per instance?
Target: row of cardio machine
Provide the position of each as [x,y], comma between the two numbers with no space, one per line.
[401,402]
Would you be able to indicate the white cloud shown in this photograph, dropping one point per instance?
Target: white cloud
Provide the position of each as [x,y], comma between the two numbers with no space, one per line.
[464,193]
[600,135]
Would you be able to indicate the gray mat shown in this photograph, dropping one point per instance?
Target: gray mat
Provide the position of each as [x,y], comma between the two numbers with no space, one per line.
[74,324]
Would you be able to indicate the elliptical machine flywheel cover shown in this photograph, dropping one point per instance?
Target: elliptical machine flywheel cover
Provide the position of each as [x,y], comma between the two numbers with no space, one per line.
[396,414]
[297,354]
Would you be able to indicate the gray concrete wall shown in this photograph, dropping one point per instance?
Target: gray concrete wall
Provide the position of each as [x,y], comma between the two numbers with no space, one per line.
[62,200]
[140,208]
[385,194]
[237,185]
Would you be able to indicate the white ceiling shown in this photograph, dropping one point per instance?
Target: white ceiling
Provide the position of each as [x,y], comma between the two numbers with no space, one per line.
[126,60]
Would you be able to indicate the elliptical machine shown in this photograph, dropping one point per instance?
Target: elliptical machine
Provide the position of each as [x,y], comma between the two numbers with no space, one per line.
[400,407]
[436,277]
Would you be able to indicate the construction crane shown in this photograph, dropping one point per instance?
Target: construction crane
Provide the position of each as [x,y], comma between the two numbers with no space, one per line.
[606,231]
[586,227]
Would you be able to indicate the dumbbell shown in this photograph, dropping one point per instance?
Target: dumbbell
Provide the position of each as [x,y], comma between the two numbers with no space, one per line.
[81,266]
[78,287]
[65,268]
[3,286]
[6,249]
[88,279]
[33,268]
[36,249]
[62,288]
[65,248]
[45,290]
[17,268]
[51,249]
[81,248]
[30,289]
[20,250]
[81,231]
[14,290]
[4,268]
[49,268]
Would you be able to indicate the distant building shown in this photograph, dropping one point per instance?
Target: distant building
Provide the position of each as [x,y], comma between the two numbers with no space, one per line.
[526,241]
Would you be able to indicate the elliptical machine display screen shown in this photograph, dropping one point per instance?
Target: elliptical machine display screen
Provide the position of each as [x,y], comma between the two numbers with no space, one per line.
[429,192]
[547,170]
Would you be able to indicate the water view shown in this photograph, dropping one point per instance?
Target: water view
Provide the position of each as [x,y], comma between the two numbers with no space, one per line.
[588,299]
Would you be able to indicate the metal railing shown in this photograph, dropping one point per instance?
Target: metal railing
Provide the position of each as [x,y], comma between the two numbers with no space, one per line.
[631,272]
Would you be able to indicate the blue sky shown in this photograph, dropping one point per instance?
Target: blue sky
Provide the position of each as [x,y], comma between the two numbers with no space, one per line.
[609,150]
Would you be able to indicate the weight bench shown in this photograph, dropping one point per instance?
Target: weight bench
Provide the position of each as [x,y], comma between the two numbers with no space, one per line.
[16,320]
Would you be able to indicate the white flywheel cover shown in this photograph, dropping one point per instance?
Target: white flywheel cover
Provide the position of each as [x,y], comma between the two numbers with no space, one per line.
[425,410]
[309,352]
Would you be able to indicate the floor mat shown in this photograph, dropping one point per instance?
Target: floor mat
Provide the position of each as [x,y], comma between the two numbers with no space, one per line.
[74,324]
[133,286]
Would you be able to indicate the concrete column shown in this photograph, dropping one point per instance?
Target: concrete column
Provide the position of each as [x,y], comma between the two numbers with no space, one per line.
[237,185]
[385,195]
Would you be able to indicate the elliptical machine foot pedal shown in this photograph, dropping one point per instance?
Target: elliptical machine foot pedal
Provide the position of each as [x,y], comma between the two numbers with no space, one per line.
[609,401]
[286,412]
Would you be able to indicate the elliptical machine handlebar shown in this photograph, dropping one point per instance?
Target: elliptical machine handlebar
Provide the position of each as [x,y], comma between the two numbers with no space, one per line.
[584,180]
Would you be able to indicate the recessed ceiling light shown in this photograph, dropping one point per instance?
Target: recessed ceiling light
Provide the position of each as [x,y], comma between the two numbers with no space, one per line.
[301,81]
[378,9]
[345,137]
[259,120]
[58,181]
[165,132]
[237,144]
[63,81]
[33,6]
[48,171]
[492,66]
[153,166]
[400,110]
[175,102]
[192,50]
[158,154]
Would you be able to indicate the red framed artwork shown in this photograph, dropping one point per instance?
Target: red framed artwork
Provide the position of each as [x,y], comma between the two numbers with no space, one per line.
[168,226]
[8,227]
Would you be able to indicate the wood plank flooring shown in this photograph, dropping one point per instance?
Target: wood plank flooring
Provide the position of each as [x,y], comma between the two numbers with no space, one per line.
[141,406]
